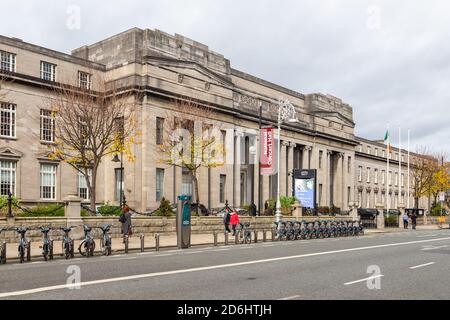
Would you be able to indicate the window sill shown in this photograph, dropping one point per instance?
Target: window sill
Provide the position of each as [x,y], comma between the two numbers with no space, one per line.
[8,138]
[47,143]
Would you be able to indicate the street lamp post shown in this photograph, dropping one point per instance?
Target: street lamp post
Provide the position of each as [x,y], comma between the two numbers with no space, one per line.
[116,159]
[286,111]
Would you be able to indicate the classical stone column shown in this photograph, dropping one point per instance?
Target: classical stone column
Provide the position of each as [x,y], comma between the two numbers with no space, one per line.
[339,182]
[283,170]
[290,166]
[306,155]
[328,181]
[238,134]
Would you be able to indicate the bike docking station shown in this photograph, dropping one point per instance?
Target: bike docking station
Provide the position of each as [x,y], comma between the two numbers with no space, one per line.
[184,222]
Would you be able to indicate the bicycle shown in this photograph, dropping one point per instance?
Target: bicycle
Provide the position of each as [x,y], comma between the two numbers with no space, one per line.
[87,246]
[3,248]
[106,242]
[245,235]
[23,243]
[67,243]
[46,244]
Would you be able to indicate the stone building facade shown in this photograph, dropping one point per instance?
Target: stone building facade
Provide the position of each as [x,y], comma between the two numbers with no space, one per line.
[164,68]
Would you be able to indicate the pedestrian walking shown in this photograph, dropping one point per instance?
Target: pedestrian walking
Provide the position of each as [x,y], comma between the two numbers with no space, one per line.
[413,220]
[234,221]
[125,219]
[405,221]
[226,220]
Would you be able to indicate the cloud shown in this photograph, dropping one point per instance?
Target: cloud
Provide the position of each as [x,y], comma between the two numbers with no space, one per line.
[388,59]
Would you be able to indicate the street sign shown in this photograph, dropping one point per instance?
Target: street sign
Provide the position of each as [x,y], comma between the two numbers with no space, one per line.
[305,187]
[442,196]
[267,148]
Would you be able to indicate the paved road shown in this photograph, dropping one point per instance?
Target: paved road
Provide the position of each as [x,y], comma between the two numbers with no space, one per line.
[412,265]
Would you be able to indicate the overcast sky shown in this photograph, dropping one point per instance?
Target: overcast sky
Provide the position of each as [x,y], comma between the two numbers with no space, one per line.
[388,59]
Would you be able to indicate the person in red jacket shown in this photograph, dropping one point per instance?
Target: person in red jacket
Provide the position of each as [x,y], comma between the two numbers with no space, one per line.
[234,220]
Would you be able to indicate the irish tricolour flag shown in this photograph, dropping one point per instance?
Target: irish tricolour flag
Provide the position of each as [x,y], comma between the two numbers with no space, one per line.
[387,141]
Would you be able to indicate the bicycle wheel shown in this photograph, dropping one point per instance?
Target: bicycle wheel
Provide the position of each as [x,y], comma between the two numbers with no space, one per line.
[45,252]
[82,248]
[21,254]
[67,250]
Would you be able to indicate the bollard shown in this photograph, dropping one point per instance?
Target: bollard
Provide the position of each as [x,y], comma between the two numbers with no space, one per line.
[142,242]
[157,242]
[226,238]
[3,253]
[236,237]
[50,254]
[273,234]
[256,236]
[29,250]
[215,238]
[264,235]
[126,243]
[72,249]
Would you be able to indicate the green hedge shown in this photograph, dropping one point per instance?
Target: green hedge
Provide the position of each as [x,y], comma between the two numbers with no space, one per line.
[41,210]
[108,210]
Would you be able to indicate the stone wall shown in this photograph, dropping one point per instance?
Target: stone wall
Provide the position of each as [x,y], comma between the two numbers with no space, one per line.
[141,225]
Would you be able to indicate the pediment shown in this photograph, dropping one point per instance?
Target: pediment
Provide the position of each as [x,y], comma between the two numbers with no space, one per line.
[334,116]
[7,152]
[190,69]
[46,156]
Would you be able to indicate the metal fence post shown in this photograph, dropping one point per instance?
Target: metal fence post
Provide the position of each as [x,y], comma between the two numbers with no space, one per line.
[142,242]
[264,235]
[273,234]
[126,243]
[29,250]
[157,242]
[3,253]
[215,238]
[256,235]
[226,238]
[50,255]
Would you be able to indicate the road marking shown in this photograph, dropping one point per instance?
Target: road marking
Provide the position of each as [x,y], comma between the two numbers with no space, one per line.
[427,235]
[428,248]
[362,280]
[37,262]
[192,252]
[164,255]
[422,265]
[215,267]
[290,298]
[221,250]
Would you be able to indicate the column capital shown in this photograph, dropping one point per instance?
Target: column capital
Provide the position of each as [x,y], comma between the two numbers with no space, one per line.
[293,144]
[307,148]
[285,143]
[329,152]
[238,133]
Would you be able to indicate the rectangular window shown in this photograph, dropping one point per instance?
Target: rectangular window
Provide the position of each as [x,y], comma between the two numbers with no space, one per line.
[384,154]
[360,148]
[48,71]
[223,134]
[368,200]
[7,120]
[349,194]
[368,175]
[396,179]
[7,61]
[159,131]
[159,184]
[403,180]
[222,188]
[320,193]
[83,190]
[383,177]
[390,178]
[382,197]
[368,150]
[186,183]
[360,173]
[84,80]
[47,126]
[48,181]
[273,182]
[359,199]
[320,159]
[349,165]
[375,173]
[7,177]
[119,185]
[376,152]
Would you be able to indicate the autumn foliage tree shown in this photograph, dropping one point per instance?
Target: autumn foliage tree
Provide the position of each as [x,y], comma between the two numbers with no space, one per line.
[90,125]
[423,170]
[190,142]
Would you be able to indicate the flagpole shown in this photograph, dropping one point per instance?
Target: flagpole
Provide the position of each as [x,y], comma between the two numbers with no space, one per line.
[409,185]
[399,165]
[387,170]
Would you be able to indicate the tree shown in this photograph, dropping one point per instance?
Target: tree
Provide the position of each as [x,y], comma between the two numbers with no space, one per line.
[90,125]
[188,142]
[423,166]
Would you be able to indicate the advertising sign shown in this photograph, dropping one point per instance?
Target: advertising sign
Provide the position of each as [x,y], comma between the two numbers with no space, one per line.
[267,151]
[305,187]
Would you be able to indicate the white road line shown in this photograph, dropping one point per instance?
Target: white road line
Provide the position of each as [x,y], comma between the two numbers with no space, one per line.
[192,252]
[290,298]
[362,280]
[164,255]
[422,265]
[215,267]
[427,235]
[220,250]
[434,248]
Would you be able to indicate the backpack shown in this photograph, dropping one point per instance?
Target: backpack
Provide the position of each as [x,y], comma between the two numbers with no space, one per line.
[122,218]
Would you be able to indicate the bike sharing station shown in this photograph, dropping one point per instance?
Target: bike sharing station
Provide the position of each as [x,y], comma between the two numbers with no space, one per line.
[184,222]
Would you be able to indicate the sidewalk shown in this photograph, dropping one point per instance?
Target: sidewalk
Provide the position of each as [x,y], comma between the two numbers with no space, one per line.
[419,227]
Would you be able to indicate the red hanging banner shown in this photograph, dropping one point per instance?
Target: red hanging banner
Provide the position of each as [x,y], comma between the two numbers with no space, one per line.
[267,152]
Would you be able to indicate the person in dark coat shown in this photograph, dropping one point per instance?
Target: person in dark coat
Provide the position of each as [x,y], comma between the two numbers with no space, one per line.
[226,220]
[413,220]
[125,219]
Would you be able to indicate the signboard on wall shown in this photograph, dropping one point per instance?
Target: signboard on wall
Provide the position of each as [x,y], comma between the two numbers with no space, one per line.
[304,187]
[267,150]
